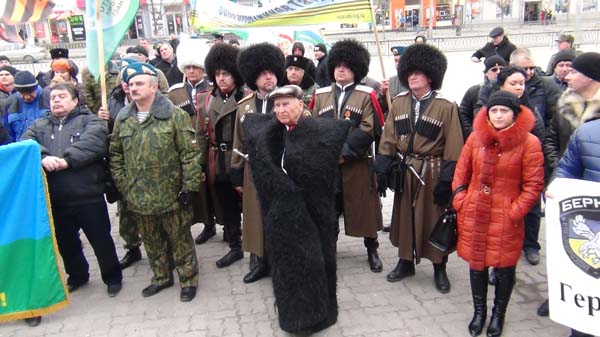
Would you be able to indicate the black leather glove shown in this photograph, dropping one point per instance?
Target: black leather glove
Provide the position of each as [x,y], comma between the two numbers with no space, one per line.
[442,193]
[184,198]
[382,184]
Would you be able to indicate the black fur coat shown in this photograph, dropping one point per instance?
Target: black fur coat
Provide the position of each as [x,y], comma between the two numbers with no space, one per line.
[299,221]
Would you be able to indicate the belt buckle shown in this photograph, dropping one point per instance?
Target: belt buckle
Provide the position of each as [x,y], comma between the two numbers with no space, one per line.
[223,147]
[487,189]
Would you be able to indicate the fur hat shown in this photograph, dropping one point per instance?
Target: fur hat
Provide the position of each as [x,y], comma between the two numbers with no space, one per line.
[351,53]
[57,53]
[257,58]
[426,58]
[191,52]
[223,56]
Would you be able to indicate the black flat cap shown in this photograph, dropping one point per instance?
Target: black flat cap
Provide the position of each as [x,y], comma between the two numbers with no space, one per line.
[496,32]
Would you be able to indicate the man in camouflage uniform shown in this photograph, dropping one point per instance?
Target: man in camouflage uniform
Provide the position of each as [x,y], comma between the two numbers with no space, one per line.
[357,197]
[261,67]
[154,161]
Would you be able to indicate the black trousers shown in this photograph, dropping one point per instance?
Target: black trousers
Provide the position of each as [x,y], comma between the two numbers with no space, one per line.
[94,221]
[231,204]
[532,229]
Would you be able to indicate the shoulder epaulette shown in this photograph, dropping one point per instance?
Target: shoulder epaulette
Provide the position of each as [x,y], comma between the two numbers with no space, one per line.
[176,86]
[251,95]
[439,95]
[323,90]
[403,93]
[364,88]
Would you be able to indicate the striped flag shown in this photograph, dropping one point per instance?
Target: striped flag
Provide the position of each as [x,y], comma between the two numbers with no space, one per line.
[22,11]
[10,34]
[225,14]
[31,283]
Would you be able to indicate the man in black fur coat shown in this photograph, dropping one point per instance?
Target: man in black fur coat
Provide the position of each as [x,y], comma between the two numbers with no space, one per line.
[294,166]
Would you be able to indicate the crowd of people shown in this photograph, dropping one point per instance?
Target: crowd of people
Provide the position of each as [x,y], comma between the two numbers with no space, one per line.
[205,134]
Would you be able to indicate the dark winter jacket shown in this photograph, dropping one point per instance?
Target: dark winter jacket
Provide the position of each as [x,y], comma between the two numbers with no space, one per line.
[542,96]
[504,49]
[582,158]
[116,102]
[4,138]
[298,207]
[322,76]
[573,110]
[467,108]
[81,139]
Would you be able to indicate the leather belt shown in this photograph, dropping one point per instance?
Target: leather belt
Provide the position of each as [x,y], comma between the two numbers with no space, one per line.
[223,147]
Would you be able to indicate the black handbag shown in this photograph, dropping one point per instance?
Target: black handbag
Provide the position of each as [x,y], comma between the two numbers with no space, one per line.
[445,234]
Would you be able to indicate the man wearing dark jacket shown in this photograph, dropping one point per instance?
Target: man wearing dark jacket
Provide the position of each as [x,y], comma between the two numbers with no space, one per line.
[500,45]
[542,94]
[561,67]
[468,105]
[322,77]
[73,143]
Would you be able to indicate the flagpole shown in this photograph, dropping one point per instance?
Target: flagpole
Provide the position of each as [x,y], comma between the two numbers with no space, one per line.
[101,55]
[378,44]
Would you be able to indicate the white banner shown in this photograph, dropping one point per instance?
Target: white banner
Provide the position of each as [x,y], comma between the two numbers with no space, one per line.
[573,258]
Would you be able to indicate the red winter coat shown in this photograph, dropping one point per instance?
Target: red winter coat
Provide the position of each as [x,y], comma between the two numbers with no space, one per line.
[504,172]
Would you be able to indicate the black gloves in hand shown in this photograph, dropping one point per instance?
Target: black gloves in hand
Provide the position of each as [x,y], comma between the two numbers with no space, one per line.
[184,198]
[442,193]
[382,184]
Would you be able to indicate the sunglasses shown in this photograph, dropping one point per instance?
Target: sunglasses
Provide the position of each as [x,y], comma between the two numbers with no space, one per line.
[496,69]
[529,68]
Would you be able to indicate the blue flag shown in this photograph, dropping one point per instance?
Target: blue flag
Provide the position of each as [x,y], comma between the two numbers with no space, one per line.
[117,16]
[31,283]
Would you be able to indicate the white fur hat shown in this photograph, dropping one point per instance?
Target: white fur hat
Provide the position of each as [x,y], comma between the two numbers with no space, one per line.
[192,52]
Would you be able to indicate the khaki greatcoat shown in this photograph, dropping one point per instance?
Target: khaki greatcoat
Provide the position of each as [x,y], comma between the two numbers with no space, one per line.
[252,237]
[446,146]
[362,207]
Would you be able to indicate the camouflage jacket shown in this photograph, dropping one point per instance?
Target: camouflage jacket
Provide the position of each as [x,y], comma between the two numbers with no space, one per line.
[153,160]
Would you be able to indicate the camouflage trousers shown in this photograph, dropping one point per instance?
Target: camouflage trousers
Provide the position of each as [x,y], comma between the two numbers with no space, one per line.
[168,242]
[128,230]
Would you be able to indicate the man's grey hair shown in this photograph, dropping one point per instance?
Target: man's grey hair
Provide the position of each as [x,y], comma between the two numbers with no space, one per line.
[521,53]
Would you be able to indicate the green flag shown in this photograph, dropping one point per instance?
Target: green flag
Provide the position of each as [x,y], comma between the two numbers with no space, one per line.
[31,283]
[117,16]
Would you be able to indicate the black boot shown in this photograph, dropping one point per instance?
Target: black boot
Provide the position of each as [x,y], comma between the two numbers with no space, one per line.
[208,232]
[505,280]
[253,261]
[233,255]
[261,270]
[479,287]
[440,278]
[133,255]
[403,269]
[374,261]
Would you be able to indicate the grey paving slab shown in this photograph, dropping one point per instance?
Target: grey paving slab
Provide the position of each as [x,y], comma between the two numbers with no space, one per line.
[225,306]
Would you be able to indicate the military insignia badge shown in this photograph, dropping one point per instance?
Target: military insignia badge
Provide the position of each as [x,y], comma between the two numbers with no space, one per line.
[347,114]
[580,225]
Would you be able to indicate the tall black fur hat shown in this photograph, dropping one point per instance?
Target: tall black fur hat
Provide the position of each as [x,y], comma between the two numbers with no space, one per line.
[257,58]
[351,53]
[223,56]
[426,58]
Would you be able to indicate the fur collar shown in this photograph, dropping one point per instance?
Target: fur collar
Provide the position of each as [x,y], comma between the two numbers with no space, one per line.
[509,137]
[573,108]
[161,108]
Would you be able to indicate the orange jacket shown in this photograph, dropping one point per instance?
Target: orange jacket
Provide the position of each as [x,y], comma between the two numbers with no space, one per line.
[504,172]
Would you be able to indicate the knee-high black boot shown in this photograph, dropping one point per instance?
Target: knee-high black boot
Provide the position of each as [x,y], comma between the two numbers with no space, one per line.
[479,287]
[505,281]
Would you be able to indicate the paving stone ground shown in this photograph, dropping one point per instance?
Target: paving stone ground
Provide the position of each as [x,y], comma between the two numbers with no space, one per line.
[368,305]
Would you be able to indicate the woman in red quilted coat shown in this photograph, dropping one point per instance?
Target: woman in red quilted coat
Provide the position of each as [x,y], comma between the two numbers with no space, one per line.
[502,166]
